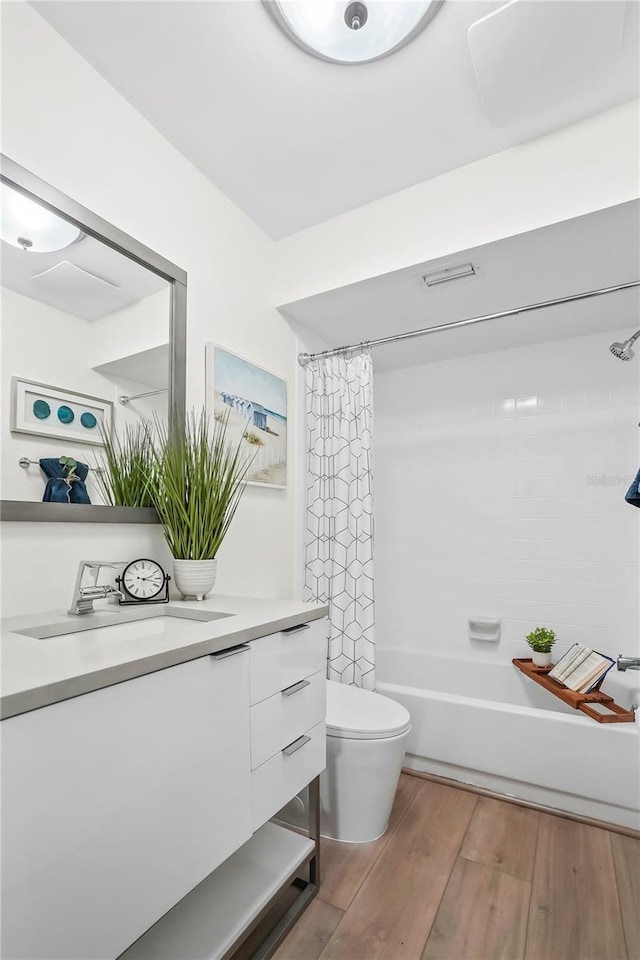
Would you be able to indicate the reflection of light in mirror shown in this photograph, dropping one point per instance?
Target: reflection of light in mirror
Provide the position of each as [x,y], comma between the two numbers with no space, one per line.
[28,225]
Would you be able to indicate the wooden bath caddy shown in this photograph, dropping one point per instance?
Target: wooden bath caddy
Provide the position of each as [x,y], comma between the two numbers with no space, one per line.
[579,701]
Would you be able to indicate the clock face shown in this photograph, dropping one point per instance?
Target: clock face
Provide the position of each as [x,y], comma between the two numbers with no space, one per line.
[143,579]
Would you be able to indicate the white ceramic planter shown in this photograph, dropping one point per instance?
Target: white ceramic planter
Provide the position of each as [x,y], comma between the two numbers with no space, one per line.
[194,578]
[541,659]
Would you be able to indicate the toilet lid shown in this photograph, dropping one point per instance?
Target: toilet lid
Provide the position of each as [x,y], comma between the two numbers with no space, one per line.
[362,715]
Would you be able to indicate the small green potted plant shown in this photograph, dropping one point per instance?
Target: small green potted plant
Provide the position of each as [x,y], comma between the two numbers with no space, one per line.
[541,641]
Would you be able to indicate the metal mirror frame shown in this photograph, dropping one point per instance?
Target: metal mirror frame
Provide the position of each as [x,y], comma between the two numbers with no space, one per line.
[90,223]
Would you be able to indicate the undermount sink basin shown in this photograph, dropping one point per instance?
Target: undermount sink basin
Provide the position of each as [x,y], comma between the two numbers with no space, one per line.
[131,625]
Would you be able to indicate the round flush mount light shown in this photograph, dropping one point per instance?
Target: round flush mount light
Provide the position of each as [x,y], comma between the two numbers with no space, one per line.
[356,32]
[28,225]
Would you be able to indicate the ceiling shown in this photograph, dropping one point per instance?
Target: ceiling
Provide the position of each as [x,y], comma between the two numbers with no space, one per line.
[294,140]
[86,279]
[598,250]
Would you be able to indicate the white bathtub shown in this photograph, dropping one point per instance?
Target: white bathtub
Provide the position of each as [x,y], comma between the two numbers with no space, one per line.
[501,731]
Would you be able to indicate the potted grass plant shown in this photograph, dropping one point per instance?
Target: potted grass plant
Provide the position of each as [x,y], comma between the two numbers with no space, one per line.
[198,485]
[125,473]
[541,640]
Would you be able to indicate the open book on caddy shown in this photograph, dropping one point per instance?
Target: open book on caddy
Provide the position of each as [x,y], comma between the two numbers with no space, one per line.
[581,669]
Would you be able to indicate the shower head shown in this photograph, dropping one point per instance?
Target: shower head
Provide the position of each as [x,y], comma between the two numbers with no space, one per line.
[623,351]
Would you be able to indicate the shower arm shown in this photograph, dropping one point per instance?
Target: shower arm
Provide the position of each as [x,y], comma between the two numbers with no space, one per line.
[305,358]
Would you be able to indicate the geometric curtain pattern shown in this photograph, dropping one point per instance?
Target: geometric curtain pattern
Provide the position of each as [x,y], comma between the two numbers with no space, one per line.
[339,511]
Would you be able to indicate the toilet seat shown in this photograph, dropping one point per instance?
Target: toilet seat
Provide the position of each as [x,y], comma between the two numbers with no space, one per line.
[357,714]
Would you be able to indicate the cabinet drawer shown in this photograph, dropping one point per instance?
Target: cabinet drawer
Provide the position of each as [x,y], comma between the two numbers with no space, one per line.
[284,658]
[280,778]
[282,718]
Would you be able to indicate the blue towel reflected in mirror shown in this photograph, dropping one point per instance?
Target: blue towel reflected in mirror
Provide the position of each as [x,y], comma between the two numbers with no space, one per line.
[64,485]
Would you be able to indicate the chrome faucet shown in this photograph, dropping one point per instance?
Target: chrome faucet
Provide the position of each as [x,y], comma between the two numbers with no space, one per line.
[83,596]
[628,663]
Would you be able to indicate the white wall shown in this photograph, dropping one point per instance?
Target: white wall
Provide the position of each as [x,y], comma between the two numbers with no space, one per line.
[132,330]
[500,482]
[585,167]
[140,326]
[50,346]
[63,122]
[40,560]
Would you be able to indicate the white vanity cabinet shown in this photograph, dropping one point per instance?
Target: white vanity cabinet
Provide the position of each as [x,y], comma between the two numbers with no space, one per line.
[117,803]
[288,747]
[288,709]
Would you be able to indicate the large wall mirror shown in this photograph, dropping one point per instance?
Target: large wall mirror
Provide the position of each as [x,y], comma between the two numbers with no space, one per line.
[93,339]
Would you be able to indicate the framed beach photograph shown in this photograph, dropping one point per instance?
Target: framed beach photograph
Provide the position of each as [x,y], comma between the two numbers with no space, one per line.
[255,401]
[60,414]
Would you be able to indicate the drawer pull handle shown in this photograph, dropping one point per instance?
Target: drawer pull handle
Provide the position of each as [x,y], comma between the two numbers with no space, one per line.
[295,687]
[298,629]
[230,652]
[293,747]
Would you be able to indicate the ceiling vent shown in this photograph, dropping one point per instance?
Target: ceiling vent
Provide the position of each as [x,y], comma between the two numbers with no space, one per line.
[446,274]
[531,57]
[76,291]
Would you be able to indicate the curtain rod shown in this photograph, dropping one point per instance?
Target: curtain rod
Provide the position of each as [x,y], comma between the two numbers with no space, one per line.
[305,358]
[138,396]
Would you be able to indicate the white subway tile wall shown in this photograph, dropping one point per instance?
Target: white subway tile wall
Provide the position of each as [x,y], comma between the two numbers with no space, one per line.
[499,490]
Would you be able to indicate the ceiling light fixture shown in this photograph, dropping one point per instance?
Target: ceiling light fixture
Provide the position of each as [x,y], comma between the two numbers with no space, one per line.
[28,225]
[446,274]
[354,32]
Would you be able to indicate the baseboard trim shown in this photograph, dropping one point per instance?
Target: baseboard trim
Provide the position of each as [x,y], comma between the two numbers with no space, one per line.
[529,804]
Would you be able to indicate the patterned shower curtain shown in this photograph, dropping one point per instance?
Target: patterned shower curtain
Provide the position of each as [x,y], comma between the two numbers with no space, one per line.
[339,515]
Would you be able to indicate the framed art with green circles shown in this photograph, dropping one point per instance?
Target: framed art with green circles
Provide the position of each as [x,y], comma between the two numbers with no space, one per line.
[45,411]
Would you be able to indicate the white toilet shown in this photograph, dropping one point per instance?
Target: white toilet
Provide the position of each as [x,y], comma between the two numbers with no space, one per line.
[366,738]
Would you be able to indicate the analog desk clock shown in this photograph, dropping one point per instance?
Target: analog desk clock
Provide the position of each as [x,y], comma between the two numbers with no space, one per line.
[143,581]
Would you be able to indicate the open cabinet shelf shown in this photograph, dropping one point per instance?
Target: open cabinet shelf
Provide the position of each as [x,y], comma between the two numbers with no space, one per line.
[209,922]
[587,703]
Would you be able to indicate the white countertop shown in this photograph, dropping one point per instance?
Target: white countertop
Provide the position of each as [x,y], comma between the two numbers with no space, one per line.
[36,673]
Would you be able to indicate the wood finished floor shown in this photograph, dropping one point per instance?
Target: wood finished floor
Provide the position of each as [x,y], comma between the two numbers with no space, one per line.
[463,877]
